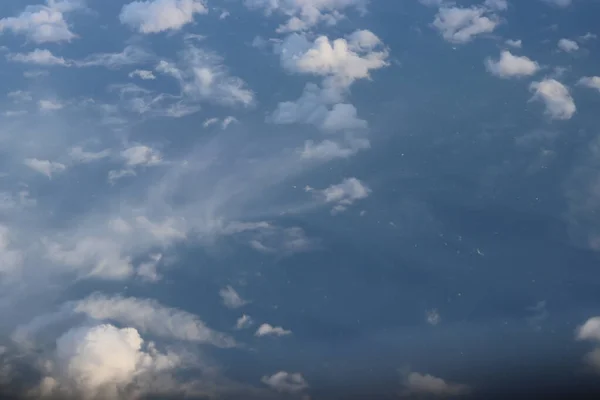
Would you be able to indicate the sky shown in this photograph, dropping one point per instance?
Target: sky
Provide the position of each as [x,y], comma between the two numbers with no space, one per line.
[299,199]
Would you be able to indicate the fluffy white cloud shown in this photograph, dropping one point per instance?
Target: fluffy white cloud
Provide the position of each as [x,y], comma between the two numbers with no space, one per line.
[47,105]
[342,60]
[153,16]
[510,65]
[590,331]
[231,298]
[141,155]
[303,15]
[420,384]
[568,45]
[592,82]
[556,97]
[345,193]
[45,167]
[104,361]
[243,322]
[461,25]
[285,382]
[39,57]
[514,43]
[43,23]
[269,330]
[142,74]
[328,150]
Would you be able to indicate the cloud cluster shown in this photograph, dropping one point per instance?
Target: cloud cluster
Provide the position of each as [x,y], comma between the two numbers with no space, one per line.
[306,14]
[556,97]
[43,23]
[510,65]
[286,382]
[344,194]
[461,25]
[154,16]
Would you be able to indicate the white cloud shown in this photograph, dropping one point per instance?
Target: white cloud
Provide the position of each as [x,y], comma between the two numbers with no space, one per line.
[141,155]
[461,25]
[43,23]
[243,322]
[304,15]
[285,382]
[231,298]
[44,167]
[420,384]
[433,317]
[510,65]
[556,97]
[104,361]
[268,330]
[514,43]
[142,74]
[345,193]
[588,36]
[228,121]
[342,60]
[499,5]
[328,150]
[50,105]
[590,330]
[39,57]
[568,45]
[203,77]
[592,82]
[153,16]
[209,122]
[20,96]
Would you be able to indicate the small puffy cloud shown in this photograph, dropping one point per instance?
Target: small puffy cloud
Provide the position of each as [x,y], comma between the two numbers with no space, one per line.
[285,382]
[592,82]
[243,322]
[345,193]
[568,45]
[49,105]
[428,385]
[43,23]
[433,317]
[514,43]
[142,74]
[509,66]
[326,150]
[140,155]
[231,298]
[556,97]
[461,25]
[44,167]
[269,330]
[153,16]
[343,60]
[38,57]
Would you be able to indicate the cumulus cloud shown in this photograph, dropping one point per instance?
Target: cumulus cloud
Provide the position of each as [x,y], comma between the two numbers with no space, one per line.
[555,96]
[43,23]
[39,57]
[104,361]
[425,384]
[461,25]
[307,14]
[590,331]
[154,16]
[48,105]
[44,167]
[231,298]
[269,330]
[344,193]
[285,382]
[568,45]
[592,82]
[510,65]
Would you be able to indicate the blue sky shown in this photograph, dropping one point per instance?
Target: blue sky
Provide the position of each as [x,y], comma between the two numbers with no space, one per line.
[298,199]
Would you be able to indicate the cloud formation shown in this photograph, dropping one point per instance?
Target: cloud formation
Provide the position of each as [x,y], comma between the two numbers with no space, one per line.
[556,97]
[154,16]
[510,65]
